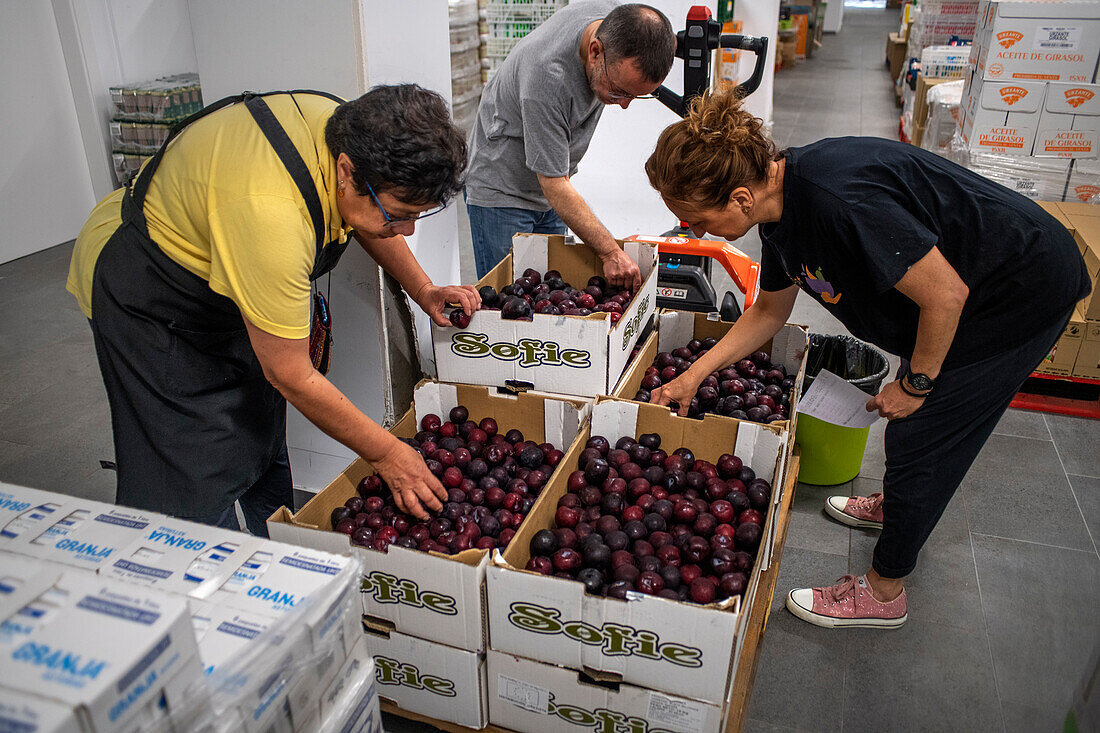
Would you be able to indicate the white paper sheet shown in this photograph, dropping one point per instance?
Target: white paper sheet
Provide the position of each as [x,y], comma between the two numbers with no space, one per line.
[834,400]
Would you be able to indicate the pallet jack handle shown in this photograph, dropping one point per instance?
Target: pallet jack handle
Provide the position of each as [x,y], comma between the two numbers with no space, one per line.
[742,270]
[695,44]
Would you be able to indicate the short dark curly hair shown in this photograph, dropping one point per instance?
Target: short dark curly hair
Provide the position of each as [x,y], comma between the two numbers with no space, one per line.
[401,140]
[642,33]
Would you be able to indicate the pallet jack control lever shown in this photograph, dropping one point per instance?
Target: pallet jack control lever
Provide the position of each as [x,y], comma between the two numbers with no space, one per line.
[695,44]
[742,270]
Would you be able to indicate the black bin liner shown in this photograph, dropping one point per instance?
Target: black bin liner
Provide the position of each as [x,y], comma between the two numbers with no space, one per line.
[856,361]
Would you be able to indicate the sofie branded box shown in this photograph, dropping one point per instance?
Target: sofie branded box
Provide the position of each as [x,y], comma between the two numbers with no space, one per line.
[85,535]
[433,596]
[1069,126]
[430,679]
[681,648]
[675,328]
[1040,41]
[64,647]
[525,695]
[1001,117]
[572,355]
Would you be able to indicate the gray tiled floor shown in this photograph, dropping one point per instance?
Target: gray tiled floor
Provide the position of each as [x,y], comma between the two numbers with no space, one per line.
[1003,603]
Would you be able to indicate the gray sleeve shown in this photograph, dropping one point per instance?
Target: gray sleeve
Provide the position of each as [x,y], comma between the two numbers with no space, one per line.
[545,136]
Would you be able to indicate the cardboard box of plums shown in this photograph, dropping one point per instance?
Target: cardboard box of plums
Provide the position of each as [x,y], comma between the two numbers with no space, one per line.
[690,333]
[562,599]
[541,344]
[437,594]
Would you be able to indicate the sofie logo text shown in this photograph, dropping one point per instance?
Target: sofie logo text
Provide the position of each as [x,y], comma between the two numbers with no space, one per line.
[600,720]
[613,639]
[392,672]
[635,323]
[528,352]
[386,588]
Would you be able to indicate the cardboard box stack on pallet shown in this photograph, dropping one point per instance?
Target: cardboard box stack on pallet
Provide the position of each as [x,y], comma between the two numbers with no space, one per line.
[1077,353]
[443,630]
[142,116]
[1031,104]
[117,619]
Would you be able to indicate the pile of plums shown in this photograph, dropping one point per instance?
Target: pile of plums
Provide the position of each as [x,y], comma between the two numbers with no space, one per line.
[636,518]
[752,389]
[492,481]
[549,294]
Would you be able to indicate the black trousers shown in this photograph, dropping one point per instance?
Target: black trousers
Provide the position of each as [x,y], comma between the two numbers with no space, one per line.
[929,452]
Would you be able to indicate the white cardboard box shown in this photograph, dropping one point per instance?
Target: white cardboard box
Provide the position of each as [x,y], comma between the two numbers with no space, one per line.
[26,512]
[430,679]
[1038,41]
[435,597]
[570,355]
[1069,126]
[1084,181]
[1001,117]
[680,648]
[23,579]
[525,695]
[350,700]
[68,649]
[24,713]
[182,557]
[85,534]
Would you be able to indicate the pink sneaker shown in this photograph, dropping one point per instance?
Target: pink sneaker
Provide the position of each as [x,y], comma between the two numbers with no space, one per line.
[856,511]
[849,603]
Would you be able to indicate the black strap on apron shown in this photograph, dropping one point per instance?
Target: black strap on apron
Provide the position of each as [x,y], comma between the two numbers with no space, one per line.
[325,257]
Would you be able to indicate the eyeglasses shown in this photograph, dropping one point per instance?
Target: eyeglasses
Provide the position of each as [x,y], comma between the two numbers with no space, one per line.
[391,221]
[614,92]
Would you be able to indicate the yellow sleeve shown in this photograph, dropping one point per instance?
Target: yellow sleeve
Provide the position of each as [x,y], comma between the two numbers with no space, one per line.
[261,254]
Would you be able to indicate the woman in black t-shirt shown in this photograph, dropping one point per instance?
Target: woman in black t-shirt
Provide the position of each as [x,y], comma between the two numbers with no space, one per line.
[968,282]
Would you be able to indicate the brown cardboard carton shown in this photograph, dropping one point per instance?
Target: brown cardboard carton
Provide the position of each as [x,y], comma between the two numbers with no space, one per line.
[895,54]
[1087,365]
[1062,358]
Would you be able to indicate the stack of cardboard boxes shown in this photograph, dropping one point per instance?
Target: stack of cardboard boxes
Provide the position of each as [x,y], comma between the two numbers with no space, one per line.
[1077,353]
[474,639]
[1031,93]
[117,619]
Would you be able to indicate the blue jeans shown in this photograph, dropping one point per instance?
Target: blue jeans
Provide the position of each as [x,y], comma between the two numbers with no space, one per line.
[492,227]
[272,490]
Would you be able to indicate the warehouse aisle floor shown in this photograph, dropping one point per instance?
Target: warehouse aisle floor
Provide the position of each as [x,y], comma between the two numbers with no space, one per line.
[1003,605]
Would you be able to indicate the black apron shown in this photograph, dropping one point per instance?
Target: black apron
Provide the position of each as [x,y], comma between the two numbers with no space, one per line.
[195,421]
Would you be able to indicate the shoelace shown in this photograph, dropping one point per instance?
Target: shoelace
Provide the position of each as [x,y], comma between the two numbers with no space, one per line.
[845,585]
[868,503]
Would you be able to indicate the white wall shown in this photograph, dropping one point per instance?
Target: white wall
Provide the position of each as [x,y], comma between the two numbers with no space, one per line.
[45,189]
[612,175]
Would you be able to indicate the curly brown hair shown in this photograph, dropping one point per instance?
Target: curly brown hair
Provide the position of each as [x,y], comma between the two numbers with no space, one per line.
[718,147]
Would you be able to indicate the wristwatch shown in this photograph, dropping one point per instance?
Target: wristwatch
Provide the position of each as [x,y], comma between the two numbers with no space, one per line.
[920,382]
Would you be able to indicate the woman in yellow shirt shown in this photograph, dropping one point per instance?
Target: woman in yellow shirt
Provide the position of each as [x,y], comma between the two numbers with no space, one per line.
[197,283]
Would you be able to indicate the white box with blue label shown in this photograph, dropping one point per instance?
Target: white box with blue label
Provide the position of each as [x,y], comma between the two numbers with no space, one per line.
[182,557]
[350,699]
[25,513]
[24,713]
[66,647]
[571,355]
[85,534]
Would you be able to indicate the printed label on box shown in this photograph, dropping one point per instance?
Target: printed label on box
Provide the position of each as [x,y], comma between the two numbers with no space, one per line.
[1058,37]
[677,714]
[524,694]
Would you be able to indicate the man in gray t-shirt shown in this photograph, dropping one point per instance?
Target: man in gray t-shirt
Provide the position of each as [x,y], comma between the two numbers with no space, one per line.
[538,115]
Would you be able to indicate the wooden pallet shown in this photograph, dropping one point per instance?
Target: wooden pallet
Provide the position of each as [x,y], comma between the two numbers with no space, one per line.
[1062,395]
[750,652]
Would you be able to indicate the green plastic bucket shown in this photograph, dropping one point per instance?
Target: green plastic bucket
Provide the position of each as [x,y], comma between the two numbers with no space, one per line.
[832,454]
